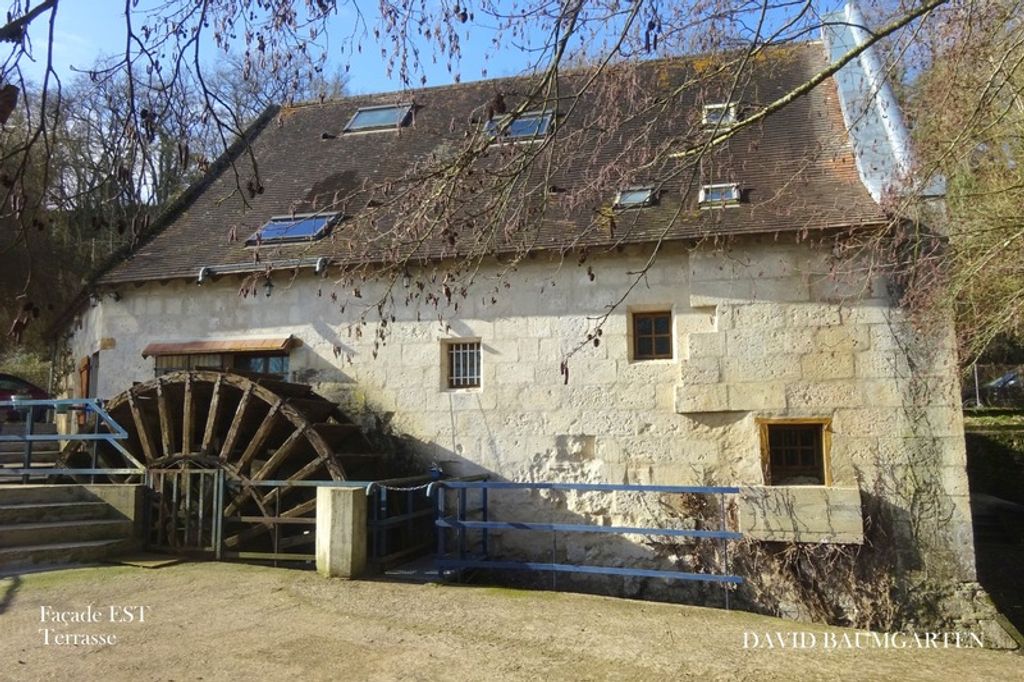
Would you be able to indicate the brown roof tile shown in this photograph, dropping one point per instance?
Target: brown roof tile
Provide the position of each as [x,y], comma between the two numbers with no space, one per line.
[795,168]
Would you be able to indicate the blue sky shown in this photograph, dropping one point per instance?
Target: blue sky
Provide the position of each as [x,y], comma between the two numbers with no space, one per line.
[85,30]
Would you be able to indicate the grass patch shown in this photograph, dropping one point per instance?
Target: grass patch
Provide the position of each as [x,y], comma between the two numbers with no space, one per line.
[994,419]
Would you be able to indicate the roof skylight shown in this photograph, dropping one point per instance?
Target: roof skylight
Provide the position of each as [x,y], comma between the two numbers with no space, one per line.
[718,195]
[379,118]
[528,126]
[635,197]
[719,115]
[294,228]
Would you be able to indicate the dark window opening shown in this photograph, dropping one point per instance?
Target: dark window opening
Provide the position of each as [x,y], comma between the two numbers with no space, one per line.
[796,454]
[652,336]
[271,364]
[463,365]
[258,363]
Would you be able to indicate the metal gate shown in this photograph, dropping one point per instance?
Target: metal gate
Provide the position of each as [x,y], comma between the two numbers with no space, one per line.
[184,510]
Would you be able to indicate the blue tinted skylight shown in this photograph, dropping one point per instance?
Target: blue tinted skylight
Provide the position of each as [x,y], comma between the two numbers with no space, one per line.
[377,118]
[297,228]
[532,124]
[634,197]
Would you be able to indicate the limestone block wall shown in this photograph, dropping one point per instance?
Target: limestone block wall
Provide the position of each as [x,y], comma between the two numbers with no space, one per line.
[761,330]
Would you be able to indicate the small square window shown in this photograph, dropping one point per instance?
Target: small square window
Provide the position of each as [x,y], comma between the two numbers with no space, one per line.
[463,364]
[719,195]
[719,115]
[528,126]
[794,453]
[379,118]
[636,197]
[652,336]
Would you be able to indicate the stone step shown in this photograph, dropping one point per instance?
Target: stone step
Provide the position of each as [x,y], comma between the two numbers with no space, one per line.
[18,428]
[50,532]
[38,512]
[62,553]
[37,456]
[24,494]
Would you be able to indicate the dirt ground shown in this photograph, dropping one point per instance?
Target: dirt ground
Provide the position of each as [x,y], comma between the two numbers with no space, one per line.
[210,621]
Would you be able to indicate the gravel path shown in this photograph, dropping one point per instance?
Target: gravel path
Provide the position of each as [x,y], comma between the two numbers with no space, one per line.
[232,622]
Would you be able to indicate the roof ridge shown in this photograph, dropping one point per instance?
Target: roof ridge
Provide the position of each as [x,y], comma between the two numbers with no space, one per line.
[569,71]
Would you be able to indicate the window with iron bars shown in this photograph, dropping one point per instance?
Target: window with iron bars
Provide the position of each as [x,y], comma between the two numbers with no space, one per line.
[463,361]
[795,453]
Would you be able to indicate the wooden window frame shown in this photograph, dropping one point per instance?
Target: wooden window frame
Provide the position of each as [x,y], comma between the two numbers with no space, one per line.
[635,335]
[825,424]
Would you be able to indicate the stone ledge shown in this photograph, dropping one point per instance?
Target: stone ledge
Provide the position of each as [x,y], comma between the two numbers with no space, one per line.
[805,513]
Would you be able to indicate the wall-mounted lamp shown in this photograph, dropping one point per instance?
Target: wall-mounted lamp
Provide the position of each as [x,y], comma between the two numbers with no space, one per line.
[321,265]
[268,287]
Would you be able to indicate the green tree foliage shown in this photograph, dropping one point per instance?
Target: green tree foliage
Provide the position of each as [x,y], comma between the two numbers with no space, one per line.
[968,108]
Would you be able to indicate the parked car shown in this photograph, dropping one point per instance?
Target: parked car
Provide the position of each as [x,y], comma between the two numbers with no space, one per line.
[14,387]
[1003,391]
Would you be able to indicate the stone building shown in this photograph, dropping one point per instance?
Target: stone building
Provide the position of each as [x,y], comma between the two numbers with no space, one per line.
[740,357]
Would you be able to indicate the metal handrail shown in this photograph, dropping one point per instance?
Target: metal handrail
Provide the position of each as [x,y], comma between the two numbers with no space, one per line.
[115,432]
[462,559]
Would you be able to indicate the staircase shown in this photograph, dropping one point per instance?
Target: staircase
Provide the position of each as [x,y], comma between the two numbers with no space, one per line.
[48,525]
[12,454]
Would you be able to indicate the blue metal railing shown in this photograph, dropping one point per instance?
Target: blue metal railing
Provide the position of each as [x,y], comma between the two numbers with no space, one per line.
[459,558]
[87,406]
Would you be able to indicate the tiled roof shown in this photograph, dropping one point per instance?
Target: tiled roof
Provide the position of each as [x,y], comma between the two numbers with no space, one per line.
[795,169]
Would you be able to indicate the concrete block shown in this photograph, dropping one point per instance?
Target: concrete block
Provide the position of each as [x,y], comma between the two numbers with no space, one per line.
[700,370]
[341,532]
[743,369]
[699,321]
[825,366]
[844,338]
[757,396]
[592,372]
[707,398]
[710,345]
[758,342]
[871,311]
[814,514]
[513,373]
[814,315]
[824,395]
[758,316]
[528,349]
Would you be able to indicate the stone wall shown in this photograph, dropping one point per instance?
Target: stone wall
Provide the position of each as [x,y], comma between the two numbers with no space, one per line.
[761,330]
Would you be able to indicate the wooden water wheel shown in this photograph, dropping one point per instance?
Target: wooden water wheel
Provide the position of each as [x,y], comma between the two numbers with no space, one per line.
[254,429]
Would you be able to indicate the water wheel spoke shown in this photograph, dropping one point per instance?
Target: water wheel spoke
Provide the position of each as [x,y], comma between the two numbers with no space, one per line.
[280,455]
[260,437]
[236,425]
[141,429]
[166,438]
[188,417]
[211,416]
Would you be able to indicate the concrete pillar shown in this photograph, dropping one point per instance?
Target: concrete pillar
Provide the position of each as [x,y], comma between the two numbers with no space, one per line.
[340,532]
